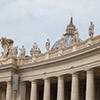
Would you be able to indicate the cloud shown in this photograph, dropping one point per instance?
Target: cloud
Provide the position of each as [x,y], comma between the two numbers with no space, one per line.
[27,21]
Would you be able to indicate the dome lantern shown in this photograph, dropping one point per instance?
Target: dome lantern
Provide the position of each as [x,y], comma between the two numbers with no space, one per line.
[71,27]
[68,36]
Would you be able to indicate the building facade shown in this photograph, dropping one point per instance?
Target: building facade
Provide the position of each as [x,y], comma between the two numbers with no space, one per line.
[69,72]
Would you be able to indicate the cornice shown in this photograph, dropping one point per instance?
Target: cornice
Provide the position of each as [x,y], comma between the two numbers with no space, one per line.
[8,66]
[79,54]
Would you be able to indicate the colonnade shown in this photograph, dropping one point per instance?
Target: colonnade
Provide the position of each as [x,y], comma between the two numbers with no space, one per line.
[75,91]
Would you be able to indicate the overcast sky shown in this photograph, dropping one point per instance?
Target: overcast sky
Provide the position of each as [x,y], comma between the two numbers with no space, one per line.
[29,21]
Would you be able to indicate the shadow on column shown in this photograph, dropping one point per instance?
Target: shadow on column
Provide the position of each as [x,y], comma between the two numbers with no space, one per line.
[97,83]
[40,89]
[28,88]
[67,84]
[3,90]
[54,88]
[82,85]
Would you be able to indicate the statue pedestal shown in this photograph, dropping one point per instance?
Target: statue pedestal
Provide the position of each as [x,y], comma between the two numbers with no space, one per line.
[34,59]
[60,52]
[8,60]
[89,42]
[47,55]
[74,48]
[20,61]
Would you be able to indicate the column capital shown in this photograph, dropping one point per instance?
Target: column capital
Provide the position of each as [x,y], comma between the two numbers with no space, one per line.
[33,81]
[47,79]
[60,77]
[90,71]
[8,81]
[75,74]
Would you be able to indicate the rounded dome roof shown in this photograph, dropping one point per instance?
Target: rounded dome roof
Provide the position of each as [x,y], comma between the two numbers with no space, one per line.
[68,36]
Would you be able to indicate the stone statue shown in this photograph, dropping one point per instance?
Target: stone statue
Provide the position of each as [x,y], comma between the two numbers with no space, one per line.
[61,43]
[31,52]
[91,29]
[76,36]
[6,44]
[15,51]
[22,51]
[47,45]
[35,46]
[11,51]
[35,50]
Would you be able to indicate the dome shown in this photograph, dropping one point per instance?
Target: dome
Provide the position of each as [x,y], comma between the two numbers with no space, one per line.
[68,36]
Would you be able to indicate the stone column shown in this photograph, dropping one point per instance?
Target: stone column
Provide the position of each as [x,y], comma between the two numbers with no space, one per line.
[90,89]
[21,94]
[33,90]
[75,87]
[46,95]
[9,91]
[60,91]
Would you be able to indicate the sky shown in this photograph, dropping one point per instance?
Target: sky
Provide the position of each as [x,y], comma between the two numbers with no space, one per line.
[29,21]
